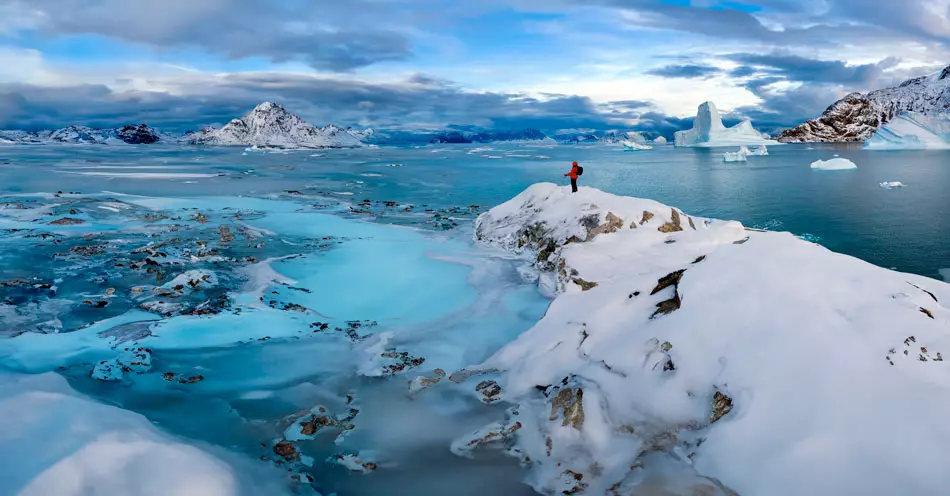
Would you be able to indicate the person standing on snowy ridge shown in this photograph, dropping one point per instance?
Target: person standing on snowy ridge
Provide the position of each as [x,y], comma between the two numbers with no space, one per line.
[576,171]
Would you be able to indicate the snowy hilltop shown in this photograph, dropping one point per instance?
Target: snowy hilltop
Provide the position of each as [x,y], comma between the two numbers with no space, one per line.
[132,134]
[269,124]
[857,116]
[912,131]
[709,131]
[684,355]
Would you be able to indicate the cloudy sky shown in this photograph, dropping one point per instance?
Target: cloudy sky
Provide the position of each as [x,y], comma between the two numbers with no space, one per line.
[434,64]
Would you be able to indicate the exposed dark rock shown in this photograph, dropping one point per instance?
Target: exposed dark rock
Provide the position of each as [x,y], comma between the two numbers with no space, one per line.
[722,405]
[286,450]
[67,221]
[138,135]
[926,312]
[569,405]
[673,225]
[585,285]
[646,217]
[490,392]
[671,279]
[610,225]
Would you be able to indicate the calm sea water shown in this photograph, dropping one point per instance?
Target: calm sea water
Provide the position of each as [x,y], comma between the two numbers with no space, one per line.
[846,211]
[428,292]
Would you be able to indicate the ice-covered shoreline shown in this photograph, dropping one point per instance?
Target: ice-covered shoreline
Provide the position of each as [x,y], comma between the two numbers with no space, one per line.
[693,353]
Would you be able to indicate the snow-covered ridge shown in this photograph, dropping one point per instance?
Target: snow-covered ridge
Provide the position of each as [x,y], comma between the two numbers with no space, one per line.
[857,116]
[131,134]
[709,131]
[686,354]
[269,124]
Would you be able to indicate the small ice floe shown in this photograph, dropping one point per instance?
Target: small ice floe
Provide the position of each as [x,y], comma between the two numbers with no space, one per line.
[371,174]
[395,165]
[343,193]
[492,156]
[632,146]
[760,150]
[892,184]
[734,156]
[833,164]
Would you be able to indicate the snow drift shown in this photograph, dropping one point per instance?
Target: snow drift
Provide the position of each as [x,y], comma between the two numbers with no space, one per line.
[64,443]
[709,131]
[697,356]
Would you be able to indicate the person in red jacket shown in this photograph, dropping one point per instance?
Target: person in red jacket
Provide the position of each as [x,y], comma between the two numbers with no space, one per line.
[573,175]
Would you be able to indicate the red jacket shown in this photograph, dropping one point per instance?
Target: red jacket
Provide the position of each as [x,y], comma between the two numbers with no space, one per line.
[573,173]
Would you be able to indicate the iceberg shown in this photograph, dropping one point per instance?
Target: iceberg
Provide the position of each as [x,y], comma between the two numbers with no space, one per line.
[912,131]
[660,140]
[632,146]
[744,152]
[834,164]
[738,156]
[703,353]
[709,131]
[892,184]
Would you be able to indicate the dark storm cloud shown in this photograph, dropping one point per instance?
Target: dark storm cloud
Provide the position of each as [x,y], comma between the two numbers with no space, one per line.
[802,69]
[689,71]
[337,36]
[409,106]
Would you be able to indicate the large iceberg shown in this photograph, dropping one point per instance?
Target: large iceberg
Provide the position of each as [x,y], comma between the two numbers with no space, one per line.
[912,131]
[695,354]
[709,131]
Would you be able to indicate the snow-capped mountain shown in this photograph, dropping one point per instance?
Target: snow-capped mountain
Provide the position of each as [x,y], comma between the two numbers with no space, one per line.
[269,124]
[709,131]
[857,116]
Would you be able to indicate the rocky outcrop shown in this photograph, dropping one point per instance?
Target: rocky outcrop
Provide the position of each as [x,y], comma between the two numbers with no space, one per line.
[853,118]
[141,134]
[856,117]
[606,404]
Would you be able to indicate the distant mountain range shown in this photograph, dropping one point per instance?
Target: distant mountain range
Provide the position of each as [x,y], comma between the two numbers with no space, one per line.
[271,125]
[268,124]
[857,116]
[141,134]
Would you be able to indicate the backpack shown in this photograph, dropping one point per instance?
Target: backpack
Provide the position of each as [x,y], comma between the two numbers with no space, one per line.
[580,171]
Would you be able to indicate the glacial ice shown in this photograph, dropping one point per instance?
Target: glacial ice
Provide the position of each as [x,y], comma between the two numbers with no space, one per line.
[892,184]
[660,140]
[60,442]
[709,131]
[744,152]
[738,156]
[833,164]
[634,146]
[820,370]
[912,131]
